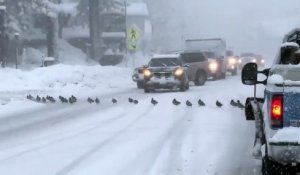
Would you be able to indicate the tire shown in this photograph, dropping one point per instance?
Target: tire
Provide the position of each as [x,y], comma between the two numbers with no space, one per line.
[183,87]
[200,78]
[146,89]
[140,84]
[268,167]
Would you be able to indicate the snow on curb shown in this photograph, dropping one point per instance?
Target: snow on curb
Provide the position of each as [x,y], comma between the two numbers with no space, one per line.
[62,76]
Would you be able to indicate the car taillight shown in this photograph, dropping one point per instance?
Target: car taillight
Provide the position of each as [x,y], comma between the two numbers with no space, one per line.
[277,111]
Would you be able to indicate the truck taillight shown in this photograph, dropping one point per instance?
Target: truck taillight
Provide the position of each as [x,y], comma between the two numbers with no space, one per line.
[277,111]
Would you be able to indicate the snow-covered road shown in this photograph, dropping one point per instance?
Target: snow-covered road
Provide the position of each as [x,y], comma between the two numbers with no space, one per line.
[128,139]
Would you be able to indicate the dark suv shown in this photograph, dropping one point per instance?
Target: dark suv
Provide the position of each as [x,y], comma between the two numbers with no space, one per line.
[165,72]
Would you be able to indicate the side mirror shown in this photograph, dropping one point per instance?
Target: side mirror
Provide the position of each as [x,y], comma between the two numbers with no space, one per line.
[249,74]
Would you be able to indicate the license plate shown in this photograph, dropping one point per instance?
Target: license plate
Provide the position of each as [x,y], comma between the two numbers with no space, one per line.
[295,123]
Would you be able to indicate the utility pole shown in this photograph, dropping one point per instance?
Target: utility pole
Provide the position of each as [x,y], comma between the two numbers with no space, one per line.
[94,28]
[126,35]
[17,45]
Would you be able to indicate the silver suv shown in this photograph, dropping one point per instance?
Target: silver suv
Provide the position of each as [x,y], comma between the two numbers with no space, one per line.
[201,66]
[165,72]
[197,67]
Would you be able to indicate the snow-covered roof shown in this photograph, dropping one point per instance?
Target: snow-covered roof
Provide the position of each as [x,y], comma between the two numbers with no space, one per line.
[290,44]
[166,56]
[137,9]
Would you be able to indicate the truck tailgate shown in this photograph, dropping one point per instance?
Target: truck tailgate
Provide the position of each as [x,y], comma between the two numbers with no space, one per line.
[291,109]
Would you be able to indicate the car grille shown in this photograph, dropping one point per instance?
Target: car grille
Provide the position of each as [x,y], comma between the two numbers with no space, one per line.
[162,74]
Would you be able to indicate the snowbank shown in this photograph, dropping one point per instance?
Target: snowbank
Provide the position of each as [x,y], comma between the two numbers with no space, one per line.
[290,134]
[64,76]
[70,55]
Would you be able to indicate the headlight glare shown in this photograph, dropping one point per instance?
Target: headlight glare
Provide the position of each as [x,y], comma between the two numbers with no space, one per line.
[179,72]
[147,73]
[213,66]
[232,61]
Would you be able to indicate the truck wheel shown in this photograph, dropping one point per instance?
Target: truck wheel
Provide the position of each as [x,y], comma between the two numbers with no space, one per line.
[266,168]
[200,78]
[269,167]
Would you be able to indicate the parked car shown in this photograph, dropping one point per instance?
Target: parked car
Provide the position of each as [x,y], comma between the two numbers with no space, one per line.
[138,76]
[165,72]
[277,114]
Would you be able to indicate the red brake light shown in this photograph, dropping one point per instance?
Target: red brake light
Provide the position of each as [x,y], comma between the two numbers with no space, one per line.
[277,111]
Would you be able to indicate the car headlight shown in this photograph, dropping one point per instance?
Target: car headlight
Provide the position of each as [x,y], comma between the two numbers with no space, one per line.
[232,61]
[147,73]
[254,60]
[179,72]
[213,66]
[240,61]
[262,61]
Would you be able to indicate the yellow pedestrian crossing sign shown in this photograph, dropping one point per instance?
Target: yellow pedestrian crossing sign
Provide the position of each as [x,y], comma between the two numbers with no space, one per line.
[133,36]
[133,47]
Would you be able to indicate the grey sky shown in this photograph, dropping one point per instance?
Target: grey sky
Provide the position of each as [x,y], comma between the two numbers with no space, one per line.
[247,25]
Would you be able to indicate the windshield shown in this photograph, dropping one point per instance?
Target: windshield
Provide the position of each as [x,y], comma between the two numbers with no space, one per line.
[210,54]
[193,57]
[149,87]
[164,62]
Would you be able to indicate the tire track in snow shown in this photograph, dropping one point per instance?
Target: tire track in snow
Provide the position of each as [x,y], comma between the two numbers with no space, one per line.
[165,141]
[83,157]
[60,140]
[174,139]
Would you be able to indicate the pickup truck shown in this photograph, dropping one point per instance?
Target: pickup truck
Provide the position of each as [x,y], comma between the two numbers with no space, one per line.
[277,114]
